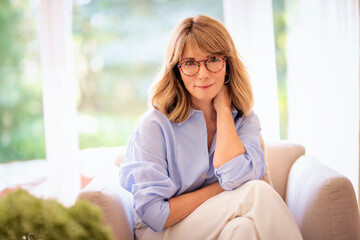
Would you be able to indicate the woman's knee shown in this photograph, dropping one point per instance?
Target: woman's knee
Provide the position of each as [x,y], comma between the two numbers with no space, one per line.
[263,191]
[239,228]
[261,186]
[248,192]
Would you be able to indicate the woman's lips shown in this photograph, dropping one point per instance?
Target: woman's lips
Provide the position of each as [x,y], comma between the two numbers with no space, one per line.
[205,86]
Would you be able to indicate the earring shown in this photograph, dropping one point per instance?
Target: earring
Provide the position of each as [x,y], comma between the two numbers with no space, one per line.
[227,79]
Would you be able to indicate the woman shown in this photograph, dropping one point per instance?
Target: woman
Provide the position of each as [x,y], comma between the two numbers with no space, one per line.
[194,162]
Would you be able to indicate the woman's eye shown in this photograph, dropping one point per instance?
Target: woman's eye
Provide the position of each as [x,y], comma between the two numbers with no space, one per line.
[214,59]
[189,63]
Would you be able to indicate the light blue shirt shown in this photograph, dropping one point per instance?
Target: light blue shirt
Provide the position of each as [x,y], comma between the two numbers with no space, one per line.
[165,159]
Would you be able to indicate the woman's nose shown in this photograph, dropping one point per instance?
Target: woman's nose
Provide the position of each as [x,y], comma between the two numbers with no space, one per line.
[203,72]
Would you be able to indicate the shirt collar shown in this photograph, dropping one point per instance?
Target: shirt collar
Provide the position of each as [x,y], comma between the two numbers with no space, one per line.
[192,112]
[234,112]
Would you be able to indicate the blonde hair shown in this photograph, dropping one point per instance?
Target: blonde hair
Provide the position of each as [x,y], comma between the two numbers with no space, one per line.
[169,94]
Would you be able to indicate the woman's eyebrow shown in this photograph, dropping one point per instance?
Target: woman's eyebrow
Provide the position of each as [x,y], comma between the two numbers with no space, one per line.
[192,58]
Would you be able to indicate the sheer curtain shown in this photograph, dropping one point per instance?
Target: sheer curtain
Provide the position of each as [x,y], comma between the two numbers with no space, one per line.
[59,91]
[323,81]
[250,23]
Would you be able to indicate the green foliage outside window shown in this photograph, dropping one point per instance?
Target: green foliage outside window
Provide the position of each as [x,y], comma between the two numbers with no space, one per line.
[280,23]
[21,117]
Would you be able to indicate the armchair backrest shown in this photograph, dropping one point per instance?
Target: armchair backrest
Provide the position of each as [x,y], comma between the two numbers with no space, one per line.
[280,157]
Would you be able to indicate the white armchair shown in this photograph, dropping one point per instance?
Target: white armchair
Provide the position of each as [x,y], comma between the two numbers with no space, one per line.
[321,200]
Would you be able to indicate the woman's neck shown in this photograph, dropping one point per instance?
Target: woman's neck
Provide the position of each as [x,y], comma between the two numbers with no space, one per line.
[208,110]
[210,119]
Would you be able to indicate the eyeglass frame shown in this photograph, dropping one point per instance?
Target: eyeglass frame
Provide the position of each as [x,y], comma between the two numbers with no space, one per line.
[198,63]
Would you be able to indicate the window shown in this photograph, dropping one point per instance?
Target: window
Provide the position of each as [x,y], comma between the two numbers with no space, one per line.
[21,115]
[280,21]
[119,49]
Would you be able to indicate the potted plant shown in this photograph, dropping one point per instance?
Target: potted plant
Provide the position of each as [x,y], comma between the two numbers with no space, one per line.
[25,217]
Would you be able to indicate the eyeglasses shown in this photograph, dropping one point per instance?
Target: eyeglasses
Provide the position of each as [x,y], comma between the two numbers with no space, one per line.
[191,67]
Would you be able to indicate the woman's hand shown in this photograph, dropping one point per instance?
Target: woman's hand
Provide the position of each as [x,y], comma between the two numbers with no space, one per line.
[222,100]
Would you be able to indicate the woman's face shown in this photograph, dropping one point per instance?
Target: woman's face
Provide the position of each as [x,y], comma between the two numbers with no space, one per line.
[204,85]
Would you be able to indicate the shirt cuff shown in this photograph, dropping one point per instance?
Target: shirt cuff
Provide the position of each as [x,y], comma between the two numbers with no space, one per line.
[156,215]
[236,172]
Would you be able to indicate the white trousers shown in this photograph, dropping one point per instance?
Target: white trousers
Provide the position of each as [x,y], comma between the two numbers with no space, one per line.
[252,211]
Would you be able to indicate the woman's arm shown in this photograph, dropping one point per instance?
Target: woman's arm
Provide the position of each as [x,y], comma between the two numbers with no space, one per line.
[181,206]
[228,144]
[238,157]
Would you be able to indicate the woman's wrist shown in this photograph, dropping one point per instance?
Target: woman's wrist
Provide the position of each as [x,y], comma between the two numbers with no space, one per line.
[223,109]
[216,188]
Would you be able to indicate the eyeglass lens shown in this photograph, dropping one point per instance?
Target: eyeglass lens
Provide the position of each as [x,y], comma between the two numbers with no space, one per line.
[213,64]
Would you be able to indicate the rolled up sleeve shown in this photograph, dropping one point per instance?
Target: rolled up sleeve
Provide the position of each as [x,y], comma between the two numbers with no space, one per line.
[144,174]
[247,166]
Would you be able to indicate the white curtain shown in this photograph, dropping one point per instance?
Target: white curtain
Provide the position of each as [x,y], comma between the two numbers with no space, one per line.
[250,23]
[323,81]
[59,91]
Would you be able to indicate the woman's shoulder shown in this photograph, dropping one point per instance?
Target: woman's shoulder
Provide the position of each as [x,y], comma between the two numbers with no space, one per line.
[153,120]
[252,119]
[152,115]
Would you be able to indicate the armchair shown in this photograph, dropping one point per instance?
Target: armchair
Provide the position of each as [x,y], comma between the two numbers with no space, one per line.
[321,200]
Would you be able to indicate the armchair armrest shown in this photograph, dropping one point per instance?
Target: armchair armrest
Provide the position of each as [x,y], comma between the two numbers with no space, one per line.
[322,201]
[115,202]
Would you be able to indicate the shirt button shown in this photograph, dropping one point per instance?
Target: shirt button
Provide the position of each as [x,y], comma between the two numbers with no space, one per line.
[203,175]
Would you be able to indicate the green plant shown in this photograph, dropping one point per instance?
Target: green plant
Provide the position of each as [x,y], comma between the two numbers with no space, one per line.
[23,216]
